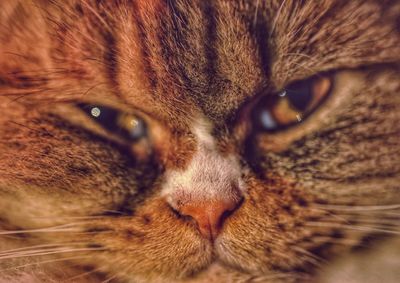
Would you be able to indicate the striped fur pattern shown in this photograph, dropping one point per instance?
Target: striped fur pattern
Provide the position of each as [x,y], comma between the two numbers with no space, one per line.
[321,201]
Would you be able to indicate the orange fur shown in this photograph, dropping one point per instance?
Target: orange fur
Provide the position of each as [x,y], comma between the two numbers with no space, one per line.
[83,205]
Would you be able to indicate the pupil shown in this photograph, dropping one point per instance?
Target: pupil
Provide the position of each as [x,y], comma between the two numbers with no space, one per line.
[104,115]
[130,128]
[299,95]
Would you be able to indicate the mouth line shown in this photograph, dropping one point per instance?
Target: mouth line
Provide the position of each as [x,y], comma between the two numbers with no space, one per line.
[216,257]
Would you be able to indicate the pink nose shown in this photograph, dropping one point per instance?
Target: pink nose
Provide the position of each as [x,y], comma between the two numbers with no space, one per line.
[210,215]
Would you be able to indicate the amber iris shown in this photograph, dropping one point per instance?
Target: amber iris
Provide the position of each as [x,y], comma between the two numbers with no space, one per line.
[293,104]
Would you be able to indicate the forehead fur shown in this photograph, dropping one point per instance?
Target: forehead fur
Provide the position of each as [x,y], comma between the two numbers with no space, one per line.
[218,54]
[175,57]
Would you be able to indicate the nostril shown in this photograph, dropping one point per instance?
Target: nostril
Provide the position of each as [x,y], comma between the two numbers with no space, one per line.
[180,215]
[227,213]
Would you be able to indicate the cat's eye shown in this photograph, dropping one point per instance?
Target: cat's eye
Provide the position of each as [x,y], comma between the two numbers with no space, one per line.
[126,125]
[293,104]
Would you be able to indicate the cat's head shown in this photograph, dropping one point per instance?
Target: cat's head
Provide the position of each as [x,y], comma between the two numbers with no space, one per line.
[151,139]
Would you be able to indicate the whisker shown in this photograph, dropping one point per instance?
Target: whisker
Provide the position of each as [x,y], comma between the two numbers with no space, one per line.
[84,220]
[380,222]
[278,13]
[60,228]
[359,208]
[51,252]
[299,54]
[32,247]
[312,258]
[281,275]
[84,274]
[98,16]
[115,211]
[38,231]
[327,239]
[389,219]
[44,262]
[302,66]
[351,227]
[256,14]
[35,251]
[33,130]
[375,217]
[109,279]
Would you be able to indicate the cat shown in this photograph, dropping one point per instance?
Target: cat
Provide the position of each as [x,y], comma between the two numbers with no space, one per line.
[199,141]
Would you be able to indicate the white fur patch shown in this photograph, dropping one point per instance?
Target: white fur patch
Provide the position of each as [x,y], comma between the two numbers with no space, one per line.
[208,177]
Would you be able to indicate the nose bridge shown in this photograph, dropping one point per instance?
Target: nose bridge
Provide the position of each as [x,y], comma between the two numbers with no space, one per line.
[208,177]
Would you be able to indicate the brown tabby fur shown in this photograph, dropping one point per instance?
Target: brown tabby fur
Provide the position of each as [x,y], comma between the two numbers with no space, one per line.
[322,200]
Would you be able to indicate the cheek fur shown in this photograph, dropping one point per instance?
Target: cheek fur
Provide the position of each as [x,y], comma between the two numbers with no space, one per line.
[151,243]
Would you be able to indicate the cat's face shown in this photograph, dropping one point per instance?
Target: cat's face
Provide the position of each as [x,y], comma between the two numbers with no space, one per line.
[154,139]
